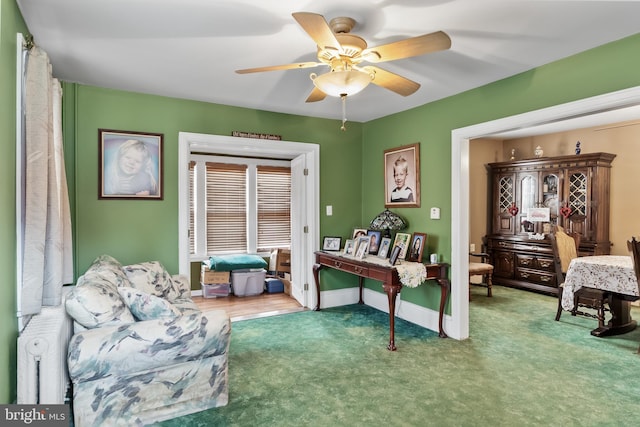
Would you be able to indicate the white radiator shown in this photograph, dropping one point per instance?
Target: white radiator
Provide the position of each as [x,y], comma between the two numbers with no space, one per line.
[42,357]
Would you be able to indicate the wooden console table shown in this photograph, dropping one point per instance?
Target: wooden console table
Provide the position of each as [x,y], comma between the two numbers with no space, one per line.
[388,275]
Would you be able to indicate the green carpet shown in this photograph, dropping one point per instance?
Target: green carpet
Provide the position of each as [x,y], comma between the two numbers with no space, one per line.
[519,367]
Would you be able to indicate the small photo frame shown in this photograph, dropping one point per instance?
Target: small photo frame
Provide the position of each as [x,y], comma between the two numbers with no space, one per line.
[385,244]
[363,247]
[416,249]
[130,165]
[348,247]
[402,240]
[395,253]
[374,241]
[330,243]
[358,232]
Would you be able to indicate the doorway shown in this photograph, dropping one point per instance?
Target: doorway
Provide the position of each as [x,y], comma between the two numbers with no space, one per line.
[305,198]
[596,110]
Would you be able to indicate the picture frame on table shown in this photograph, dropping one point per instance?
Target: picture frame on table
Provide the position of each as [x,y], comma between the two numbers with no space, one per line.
[385,244]
[402,240]
[395,253]
[358,232]
[130,165]
[331,243]
[402,176]
[363,247]
[374,241]
[348,247]
[416,249]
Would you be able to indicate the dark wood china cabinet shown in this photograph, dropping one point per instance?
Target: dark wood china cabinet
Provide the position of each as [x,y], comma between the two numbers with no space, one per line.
[574,188]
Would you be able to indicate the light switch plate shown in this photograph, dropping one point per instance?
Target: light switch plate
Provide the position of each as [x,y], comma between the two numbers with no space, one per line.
[329,210]
[435,213]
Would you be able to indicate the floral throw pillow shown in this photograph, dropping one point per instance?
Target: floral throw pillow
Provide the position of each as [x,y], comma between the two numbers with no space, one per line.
[152,278]
[145,306]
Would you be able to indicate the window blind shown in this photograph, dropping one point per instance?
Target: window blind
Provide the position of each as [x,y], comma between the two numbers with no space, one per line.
[226,207]
[273,207]
[192,167]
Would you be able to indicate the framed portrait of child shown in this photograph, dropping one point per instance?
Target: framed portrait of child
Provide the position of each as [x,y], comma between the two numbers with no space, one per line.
[130,165]
[402,176]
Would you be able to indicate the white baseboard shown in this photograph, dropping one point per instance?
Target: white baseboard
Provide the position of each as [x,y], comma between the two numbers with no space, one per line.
[408,311]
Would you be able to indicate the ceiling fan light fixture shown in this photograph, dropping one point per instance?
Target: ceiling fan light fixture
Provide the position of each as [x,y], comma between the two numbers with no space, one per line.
[339,83]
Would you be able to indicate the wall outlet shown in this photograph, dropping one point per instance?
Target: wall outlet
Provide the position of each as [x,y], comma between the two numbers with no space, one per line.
[472,247]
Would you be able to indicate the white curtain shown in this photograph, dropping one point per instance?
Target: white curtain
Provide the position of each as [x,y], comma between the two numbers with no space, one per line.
[47,262]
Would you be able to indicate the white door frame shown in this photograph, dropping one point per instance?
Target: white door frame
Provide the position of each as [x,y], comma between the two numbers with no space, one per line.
[458,327]
[234,146]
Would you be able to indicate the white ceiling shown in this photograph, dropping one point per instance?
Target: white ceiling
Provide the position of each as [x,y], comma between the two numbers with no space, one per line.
[191,48]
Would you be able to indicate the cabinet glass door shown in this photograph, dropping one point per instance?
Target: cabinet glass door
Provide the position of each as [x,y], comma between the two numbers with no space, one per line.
[550,195]
[528,199]
[503,221]
[578,193]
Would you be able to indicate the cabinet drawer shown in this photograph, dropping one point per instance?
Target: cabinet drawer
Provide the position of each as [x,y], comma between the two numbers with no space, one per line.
[545,264]
[548,279]
[526,261]
[534,262]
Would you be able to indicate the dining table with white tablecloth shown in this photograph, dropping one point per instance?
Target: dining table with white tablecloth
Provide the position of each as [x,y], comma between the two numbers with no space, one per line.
[611,273]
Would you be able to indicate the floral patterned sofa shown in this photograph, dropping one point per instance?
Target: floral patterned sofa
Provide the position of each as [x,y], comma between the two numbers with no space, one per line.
[142,351]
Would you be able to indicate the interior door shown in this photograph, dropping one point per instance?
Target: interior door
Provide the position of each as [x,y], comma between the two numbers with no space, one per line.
[299,233]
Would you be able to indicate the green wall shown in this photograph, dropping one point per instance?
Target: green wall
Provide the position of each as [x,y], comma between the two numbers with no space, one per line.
[601,70]
[134,230]
[10,23]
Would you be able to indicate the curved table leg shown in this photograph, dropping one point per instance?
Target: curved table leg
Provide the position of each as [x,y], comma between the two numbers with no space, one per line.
[444,293]
[392,293]
[316,276]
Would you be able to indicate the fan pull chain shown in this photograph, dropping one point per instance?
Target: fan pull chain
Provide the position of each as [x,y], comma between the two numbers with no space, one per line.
[344,112]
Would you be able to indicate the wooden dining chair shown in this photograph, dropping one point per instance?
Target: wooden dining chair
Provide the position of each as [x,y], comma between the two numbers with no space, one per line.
[634,250]
[483,269]
[565,248]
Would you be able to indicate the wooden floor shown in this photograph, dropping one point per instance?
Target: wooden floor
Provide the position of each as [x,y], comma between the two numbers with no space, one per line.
[250,307]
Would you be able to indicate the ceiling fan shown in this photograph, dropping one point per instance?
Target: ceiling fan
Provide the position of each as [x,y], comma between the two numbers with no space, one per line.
[344,54]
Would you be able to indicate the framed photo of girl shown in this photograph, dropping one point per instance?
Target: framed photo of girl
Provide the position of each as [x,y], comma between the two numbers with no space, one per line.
[130,165]
[416,249]
[402,176]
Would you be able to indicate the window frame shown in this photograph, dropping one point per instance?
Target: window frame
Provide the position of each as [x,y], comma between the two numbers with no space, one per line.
[200,217]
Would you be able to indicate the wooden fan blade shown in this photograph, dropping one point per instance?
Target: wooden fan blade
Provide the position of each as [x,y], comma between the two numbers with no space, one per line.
[316,95]
[280,67]
[407,48]
[316,26]
[392,81]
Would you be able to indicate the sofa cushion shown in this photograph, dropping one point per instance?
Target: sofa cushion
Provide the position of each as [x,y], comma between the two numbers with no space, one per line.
[151,277]
[97,305]
[107,268]
[94,301]
[145,306]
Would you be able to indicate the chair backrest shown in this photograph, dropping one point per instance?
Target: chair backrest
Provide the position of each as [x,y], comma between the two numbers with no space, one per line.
[565,248]
[634,249]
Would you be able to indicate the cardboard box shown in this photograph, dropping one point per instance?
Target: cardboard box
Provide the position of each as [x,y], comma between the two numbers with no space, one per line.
[287,286]
[213,277]
[248,283]
[280,261]
[215,290]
